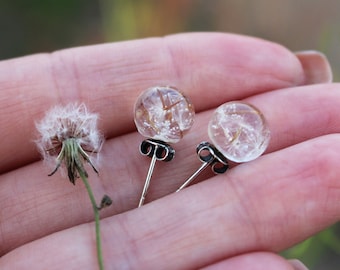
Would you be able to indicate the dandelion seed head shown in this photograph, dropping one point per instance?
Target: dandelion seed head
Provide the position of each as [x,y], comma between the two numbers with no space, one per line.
[61,123]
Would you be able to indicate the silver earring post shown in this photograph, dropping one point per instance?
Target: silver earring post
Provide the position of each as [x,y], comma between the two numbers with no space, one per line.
[163,115]
[157,150]
[210,156]
[239,133]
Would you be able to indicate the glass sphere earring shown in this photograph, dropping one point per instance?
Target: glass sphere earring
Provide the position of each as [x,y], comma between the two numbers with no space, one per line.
[239,133]
[163,115]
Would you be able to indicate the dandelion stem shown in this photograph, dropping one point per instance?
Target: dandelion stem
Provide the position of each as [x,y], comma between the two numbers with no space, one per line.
[97,219]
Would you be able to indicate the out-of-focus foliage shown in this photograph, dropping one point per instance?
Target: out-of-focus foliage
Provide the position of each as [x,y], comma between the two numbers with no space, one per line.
[321,252]
[45,25]
[299,25]
[28,27]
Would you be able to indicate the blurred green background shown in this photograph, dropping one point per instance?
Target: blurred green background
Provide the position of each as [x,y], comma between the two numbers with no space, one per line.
[29,26]
[33,26]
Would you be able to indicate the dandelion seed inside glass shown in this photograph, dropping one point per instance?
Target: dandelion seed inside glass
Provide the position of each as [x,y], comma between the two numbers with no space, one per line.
[239,131]
[163,113]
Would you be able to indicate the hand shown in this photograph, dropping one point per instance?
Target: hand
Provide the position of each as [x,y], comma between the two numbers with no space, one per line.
[232,221]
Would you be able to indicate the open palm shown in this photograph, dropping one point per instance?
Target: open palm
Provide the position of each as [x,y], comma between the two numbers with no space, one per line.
[237,220]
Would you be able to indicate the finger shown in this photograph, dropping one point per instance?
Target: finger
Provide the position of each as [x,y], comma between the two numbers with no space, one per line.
[269,204]
[209,68]
[310,59]
[39,202]
[256,261]
[298,114]
[293,116]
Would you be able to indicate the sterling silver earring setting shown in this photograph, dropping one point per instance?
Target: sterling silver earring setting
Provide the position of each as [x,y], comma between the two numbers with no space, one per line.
[239,133]
[163,115]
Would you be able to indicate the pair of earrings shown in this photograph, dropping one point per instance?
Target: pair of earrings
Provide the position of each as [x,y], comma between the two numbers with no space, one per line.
[238,131]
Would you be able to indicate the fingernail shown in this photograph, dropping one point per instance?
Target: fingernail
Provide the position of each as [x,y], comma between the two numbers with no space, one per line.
[297,265]
[316,67]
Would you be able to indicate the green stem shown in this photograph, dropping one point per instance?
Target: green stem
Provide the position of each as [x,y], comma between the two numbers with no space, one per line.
[97,219]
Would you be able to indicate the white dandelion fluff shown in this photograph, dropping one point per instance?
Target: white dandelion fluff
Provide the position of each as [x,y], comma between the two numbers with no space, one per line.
[67,134]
